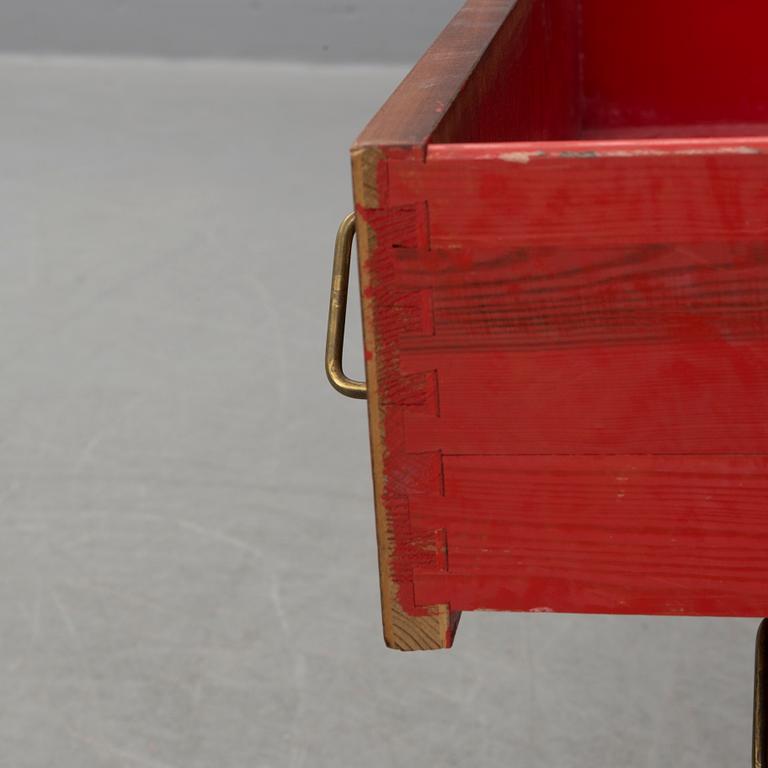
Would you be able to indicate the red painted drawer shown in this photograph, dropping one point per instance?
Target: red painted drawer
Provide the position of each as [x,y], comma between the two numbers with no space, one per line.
[562,221]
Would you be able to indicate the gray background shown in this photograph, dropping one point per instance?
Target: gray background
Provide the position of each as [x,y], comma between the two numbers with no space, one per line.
[187,555]
[312,30]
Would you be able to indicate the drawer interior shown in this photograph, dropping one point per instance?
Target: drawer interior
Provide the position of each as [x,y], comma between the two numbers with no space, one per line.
[602,69]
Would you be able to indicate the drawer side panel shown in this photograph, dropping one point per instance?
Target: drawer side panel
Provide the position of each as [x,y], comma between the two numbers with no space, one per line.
[599,343]
[602,534]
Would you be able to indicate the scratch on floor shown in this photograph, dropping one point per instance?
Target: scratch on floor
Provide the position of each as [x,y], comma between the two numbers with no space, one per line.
[217,535]
[122,754]
[65,616]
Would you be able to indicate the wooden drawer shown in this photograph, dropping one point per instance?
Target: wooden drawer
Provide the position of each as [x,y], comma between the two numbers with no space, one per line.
[562,220]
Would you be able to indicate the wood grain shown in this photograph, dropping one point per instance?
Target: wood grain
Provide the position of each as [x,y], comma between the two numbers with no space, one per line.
[386,315]
[599,338]
[502,69]
[602,534]
[526,85]
[657,348]
[456,90]
[566,338]
[418,106]
[579,194]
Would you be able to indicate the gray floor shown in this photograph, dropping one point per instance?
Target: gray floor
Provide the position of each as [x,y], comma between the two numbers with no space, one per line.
[187,558]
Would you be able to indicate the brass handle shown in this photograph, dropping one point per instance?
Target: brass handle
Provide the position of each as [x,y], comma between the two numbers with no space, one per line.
[337,314]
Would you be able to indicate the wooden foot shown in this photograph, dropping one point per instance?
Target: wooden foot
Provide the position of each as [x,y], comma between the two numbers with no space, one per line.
[403,632]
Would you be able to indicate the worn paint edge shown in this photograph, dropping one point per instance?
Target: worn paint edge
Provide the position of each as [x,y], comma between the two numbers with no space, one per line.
[369,175]
[527,152]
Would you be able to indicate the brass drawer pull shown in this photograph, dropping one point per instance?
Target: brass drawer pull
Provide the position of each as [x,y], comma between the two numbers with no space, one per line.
[337,314]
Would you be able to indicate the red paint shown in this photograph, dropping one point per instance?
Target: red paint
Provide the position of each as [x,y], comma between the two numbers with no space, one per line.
[582,194]
[587,317]
[592,68]
[662,63]
[601,534]
[397,313]
[527,83]
[571,336]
